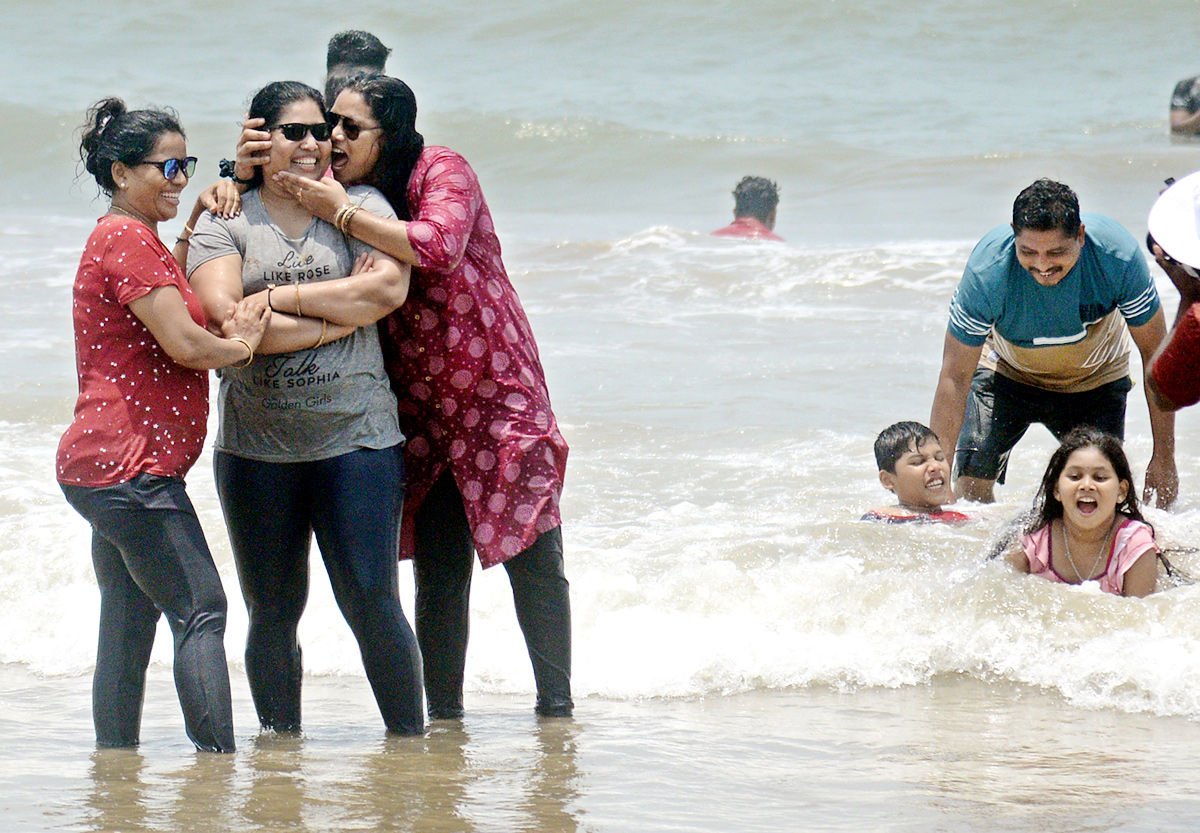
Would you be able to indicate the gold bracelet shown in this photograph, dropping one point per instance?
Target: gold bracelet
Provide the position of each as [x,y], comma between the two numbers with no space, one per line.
[341,220]
[321,340]
[246,363]
[340,215]
[189,229]
[349,215]
[299,310]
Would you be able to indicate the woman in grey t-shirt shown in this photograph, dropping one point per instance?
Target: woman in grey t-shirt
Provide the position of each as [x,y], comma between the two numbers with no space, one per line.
[308,440]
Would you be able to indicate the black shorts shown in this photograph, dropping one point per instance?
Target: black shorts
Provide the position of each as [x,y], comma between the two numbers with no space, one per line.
[1000,410]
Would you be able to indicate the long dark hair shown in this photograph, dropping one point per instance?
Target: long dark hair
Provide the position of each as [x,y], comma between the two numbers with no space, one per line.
[1047,508]
[113,133]
[394,106]
[269,102]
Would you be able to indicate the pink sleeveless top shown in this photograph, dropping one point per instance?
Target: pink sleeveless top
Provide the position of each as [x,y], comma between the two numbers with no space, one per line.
[1131,541]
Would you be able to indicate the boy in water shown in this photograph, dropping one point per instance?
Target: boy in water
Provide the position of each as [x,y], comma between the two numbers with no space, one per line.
[913,466]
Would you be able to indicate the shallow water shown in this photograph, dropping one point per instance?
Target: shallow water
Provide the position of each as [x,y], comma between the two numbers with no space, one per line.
[961,754]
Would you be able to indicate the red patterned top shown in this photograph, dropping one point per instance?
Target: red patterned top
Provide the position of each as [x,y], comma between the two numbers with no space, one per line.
[138,411]
[942,516]
[466,370]
[1176,371]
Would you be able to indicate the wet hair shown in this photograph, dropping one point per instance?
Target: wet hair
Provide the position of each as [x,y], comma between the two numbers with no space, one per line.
[270,102]
[755,197]
[896,440]
[394,106]
[1047,508]
[338,78]
[356,48]
[113,133]
[1045,206]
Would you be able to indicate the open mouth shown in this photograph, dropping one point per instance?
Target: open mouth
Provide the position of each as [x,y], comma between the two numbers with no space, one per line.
[1086,505]
[338,160]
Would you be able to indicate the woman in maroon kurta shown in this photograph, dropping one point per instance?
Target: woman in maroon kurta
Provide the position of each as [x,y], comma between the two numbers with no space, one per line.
[485,458]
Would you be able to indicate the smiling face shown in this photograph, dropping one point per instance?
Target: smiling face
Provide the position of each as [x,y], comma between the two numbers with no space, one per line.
[1089,489]
[143,190]
[1048,255]
[922,477]
[354,159]
[305,157]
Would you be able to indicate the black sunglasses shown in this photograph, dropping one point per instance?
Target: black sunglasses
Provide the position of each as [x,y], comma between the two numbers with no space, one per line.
[171,167]
[351,129]
[295,132]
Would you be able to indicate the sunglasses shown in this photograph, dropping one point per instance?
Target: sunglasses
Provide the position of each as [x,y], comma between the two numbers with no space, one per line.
[295,132]
[172,167]
[351,129]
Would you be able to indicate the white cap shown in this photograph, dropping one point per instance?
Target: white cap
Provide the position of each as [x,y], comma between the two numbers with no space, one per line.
[1174,221]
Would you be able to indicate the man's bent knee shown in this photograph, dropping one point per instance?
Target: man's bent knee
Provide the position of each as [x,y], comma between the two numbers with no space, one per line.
[975,488]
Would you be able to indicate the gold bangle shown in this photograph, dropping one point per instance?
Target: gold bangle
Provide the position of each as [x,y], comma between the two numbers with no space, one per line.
[341,220]
[340,216]
[299,310]
[189,229]
[321,340]
[246,363]
[349,215]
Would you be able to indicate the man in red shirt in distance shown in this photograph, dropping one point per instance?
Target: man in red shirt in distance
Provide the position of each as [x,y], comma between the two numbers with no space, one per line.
[754,210]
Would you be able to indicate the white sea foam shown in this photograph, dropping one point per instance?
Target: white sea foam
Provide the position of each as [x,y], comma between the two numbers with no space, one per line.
[711,507]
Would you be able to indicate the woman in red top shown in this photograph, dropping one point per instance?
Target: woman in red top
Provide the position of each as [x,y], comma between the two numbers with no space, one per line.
[485,458]
[141,352]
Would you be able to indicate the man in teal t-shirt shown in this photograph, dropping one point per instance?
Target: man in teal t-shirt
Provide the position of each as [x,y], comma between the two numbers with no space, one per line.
[1037,333]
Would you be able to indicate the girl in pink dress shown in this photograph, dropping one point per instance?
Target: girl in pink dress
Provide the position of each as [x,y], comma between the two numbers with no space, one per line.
[1087,525]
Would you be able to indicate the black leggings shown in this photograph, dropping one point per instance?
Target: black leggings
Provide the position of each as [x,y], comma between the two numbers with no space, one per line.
[442,565]
[150,556]
[352,503]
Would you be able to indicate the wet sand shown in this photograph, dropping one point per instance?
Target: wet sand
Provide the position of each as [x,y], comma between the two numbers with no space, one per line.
[956,754]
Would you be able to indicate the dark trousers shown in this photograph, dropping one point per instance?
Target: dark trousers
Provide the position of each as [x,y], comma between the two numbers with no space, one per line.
[999,411]
[352,504]
[150,556]
[443,563]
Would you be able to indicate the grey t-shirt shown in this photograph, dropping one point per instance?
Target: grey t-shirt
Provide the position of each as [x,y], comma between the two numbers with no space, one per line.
[309,404]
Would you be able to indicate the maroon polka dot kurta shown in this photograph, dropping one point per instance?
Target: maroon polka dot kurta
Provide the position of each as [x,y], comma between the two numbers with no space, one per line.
[466,370]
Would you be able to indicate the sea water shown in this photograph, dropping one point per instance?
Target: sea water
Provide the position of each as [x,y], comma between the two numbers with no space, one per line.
[720,399]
